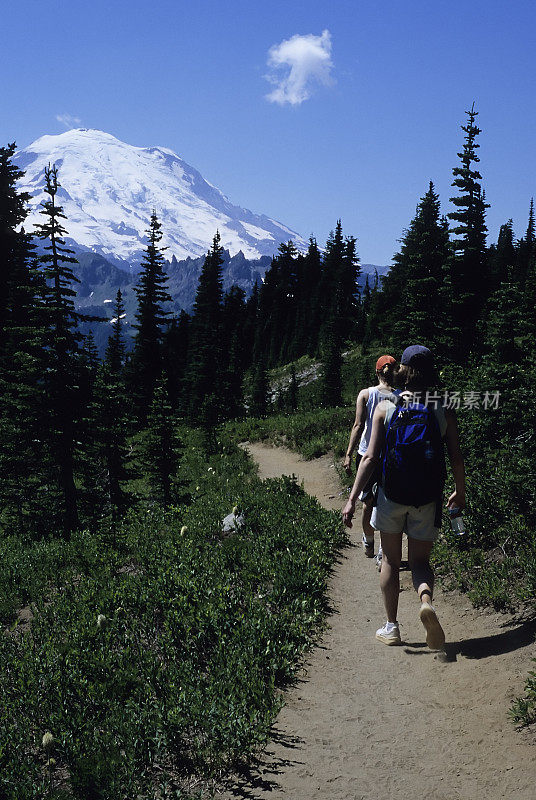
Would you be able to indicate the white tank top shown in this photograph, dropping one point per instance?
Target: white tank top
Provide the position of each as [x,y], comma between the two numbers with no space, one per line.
[375,395]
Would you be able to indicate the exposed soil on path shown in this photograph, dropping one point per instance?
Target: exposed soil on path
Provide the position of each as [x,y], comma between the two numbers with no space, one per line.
[366,721]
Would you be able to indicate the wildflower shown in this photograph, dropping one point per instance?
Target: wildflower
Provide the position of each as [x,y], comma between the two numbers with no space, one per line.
[184,530]
[101,621]
[235,510]
[48,742]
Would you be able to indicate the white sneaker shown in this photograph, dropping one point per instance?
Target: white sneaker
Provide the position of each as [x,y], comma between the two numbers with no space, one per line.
[368,546]
[378,559]
[389,634]
[435,636]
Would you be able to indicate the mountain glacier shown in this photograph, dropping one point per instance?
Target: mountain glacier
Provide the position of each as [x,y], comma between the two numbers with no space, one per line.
[109,190]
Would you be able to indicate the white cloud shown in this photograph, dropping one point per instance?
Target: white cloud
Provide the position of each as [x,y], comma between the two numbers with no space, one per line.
[309,59]
[68,120]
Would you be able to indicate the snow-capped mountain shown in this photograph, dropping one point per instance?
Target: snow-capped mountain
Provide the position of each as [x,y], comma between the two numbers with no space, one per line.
[109,190]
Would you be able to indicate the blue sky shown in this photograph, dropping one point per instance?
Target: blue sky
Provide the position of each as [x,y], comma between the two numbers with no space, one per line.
[370,113]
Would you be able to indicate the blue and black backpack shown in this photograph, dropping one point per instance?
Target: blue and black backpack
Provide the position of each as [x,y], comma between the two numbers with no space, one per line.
[413,463]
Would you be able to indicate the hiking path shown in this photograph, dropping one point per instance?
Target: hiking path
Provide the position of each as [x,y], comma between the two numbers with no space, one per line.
[365,721]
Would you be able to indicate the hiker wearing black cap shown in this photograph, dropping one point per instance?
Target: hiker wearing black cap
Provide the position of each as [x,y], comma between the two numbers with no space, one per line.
[366,404]
[408,439]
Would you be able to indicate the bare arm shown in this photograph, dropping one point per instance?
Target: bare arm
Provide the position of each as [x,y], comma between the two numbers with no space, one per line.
[367,463]
[457,498]
[357,428]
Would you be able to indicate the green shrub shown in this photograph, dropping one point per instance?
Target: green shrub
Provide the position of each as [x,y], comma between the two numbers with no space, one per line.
[158,646]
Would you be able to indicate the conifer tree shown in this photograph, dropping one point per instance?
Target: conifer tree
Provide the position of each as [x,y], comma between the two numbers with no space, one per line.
[526,252]
[63,353]
[151,319]
[309,317]
[115,350]
[417,276]
[204,375]
[331,360]
[468,265]
[161,448]
[111,417]
[24,457]
[277,307]
[332,268]
[233,322]
[258,404]
[176,348]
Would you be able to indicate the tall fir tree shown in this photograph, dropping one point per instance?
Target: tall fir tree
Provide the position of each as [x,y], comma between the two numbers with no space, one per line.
[116,349]
[176,348]
[526,251]
[62,380]
[417,276]
[151,320]
[277,307]
[111,419]
[468,263]
[161,447]
[331,364]
[258,402]
[206,358]
[233,322]
[24,456]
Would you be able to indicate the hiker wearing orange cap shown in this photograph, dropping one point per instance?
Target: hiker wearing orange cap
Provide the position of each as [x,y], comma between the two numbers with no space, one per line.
[367,401]
[407,442]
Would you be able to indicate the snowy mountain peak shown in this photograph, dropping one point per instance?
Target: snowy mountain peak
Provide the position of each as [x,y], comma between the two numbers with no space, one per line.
[109,190]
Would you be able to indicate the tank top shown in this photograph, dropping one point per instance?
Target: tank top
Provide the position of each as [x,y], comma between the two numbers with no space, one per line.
[375,396]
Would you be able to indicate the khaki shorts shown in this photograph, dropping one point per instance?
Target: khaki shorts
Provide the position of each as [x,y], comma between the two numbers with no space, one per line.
[416,522]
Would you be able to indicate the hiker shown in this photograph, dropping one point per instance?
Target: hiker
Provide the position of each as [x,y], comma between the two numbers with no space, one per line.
[367,401]
[408,438]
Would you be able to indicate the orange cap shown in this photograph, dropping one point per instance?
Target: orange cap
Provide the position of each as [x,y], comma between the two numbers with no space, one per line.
[383,360]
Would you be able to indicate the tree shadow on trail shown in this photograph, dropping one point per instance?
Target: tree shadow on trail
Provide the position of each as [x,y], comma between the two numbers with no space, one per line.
[260,772]
[485,646]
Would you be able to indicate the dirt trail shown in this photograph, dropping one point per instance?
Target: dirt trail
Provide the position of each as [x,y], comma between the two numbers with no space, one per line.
[367,721]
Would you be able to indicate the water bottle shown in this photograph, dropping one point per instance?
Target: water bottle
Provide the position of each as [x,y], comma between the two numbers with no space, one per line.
[456,521]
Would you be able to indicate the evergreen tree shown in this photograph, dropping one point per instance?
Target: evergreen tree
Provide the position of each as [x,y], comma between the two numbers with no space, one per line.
[251,325]
[526,251]
[330,289]
[373,314]
[110,412]
[206,357]
[468,265]
[331,361]
[24,457]
[176,348]
[258,405]
[233,322]
[309,318]
[151,320]
[63,353]
[277,308]
[161,447]
[415,282]
[115,350]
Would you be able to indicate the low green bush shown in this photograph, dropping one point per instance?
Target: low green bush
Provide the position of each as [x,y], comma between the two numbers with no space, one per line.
[157,647]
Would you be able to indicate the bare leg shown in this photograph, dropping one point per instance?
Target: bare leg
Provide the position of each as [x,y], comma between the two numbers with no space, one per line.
[390,572]
[423,581]
[368,530]
[421,571]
